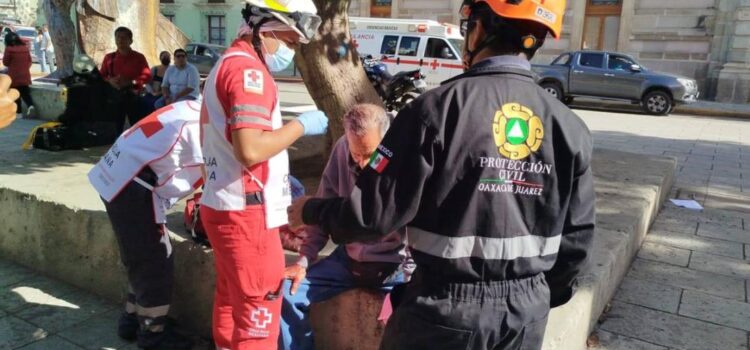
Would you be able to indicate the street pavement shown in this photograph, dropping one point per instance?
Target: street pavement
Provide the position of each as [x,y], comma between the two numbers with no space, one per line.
[687,289]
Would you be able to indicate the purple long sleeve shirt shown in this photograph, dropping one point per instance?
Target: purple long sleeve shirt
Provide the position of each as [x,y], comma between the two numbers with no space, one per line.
[339,178]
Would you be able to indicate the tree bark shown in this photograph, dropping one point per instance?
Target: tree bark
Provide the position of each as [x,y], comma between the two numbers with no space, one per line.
[332,70]
[61,30]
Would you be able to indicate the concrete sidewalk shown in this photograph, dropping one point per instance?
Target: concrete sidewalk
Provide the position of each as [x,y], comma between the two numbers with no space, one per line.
[688,287]
[40,313]
[699,108]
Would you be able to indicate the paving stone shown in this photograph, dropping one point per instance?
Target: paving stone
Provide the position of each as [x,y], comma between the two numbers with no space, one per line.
[724,233]
[747,251]
[66,312]
[15,332]
[671,330]
[649,294]
[12,273]
[96,333]
[681,277]
[696,166]
[695,243]
[53,342]
[726,171]
[729,164]
[37,290]
[665,254]
[691,180]
[611,341]
[721,265]
[722,217]
[714,309]
[673,224]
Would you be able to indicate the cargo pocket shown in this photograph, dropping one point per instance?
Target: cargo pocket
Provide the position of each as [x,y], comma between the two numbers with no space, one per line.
[418,333]
[533,335]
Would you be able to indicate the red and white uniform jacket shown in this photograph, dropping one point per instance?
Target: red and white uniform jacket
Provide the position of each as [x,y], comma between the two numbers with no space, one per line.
[240,93]
[167,141]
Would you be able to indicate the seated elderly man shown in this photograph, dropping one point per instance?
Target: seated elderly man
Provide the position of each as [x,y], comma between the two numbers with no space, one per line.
[380,265]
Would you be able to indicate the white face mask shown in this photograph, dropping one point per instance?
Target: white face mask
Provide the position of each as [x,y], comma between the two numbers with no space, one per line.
[280,60]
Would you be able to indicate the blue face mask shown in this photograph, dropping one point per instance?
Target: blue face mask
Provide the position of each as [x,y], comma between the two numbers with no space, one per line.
[280,60]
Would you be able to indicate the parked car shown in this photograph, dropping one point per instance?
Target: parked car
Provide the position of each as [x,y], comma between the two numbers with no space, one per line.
[614,76]
[204,56]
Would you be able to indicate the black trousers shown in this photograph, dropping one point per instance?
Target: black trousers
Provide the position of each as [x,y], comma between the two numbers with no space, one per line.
[125,104]
[25,92]
[144,252]
[502,315]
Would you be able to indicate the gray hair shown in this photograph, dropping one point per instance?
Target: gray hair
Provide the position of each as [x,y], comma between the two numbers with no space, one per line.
[362,117]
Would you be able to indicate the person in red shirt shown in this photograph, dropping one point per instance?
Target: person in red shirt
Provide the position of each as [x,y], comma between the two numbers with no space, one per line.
[247,182]
[126,71]
[17,58]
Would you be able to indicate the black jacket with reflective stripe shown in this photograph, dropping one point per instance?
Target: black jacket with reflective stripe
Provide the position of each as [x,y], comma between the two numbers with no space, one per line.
[490,174]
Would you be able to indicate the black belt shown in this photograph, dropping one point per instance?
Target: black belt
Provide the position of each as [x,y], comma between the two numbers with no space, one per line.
[254,198]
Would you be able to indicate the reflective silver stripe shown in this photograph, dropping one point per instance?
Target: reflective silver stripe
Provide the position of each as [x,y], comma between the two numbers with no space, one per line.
[152,312]
[251,108]
[482,247]
[251,120]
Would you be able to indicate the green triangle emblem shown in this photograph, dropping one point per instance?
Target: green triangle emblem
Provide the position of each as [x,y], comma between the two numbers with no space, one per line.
[517,131]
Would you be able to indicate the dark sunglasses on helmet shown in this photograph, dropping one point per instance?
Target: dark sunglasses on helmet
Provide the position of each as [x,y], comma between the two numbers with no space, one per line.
[465,26]
[306,23]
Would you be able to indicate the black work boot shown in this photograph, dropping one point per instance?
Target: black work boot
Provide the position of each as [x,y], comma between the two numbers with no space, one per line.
[127,326]
[165,340]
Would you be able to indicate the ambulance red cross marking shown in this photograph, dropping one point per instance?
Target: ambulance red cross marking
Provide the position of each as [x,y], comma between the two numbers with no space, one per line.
[261,317]
[434,65]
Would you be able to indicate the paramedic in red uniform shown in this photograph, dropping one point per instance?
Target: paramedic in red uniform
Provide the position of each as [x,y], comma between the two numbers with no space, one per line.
[247,170]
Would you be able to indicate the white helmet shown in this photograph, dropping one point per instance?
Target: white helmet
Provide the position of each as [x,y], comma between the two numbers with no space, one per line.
[299,15]
[83,64]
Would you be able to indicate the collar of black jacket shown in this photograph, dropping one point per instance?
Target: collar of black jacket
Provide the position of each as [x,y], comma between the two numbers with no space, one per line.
[498,65]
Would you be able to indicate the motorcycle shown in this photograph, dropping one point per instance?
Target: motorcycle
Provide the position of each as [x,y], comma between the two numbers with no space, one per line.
[396,90]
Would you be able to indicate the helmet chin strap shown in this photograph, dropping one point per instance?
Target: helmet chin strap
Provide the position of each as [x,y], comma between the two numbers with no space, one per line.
[469,61]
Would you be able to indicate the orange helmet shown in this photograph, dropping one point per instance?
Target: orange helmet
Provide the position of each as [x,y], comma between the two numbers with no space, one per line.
[549,13]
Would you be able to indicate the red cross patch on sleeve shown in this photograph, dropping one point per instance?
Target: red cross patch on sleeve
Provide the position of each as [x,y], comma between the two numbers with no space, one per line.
[254,81]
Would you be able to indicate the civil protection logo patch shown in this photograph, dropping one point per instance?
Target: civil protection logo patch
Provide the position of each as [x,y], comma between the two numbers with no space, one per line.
[517,131]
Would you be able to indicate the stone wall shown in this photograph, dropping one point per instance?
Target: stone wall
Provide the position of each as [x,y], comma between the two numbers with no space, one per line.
[26,11]
[673,36]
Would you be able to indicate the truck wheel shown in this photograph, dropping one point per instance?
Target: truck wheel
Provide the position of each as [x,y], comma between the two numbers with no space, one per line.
[657,103]
[553,89]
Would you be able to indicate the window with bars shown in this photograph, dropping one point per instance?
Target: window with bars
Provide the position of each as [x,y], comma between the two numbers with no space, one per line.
[217,30]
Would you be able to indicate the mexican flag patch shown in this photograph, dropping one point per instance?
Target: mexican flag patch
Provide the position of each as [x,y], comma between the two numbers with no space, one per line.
[378,162]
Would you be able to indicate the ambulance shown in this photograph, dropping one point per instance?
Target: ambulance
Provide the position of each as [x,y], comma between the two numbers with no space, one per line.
[409,44]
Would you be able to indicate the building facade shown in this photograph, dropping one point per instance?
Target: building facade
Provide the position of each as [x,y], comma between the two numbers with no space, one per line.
[206,21]
[708,40]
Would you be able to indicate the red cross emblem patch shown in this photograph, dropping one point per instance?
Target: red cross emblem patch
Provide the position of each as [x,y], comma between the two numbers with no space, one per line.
[254,81]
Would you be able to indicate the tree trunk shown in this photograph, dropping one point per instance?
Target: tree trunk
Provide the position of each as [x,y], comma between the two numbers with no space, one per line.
[332,70]
[61,30]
